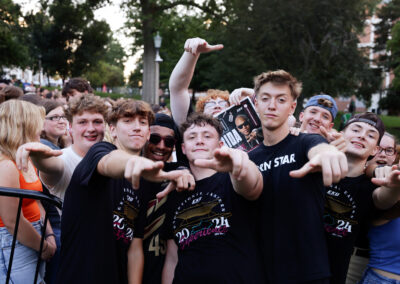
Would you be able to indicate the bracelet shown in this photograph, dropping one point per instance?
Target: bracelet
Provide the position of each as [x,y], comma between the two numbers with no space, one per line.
[49,235]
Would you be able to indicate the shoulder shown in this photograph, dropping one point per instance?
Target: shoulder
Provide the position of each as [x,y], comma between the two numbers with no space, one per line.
[9,174]
[311,138]
[100,148]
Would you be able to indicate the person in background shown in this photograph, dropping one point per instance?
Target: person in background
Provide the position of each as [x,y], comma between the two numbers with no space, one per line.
[55,124]
[21,122]
[76,87]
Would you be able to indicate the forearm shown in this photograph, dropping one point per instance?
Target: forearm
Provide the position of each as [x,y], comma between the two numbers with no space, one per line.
[251,186]
[179,86]
[385,197]
[171,260]
[321,148]
[113,164]
[27,235]
[135,262]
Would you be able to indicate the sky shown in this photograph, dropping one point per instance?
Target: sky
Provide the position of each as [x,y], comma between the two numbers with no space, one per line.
[112,14]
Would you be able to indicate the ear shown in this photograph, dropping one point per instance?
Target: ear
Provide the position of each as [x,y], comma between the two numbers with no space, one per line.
[301,116]
[113,131]
[293,107]
[375,151]
[221,143]
[331,125]
[148,134]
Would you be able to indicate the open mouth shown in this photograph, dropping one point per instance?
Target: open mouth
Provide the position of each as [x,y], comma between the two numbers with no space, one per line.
[381,162]
[358,145]
[91,137]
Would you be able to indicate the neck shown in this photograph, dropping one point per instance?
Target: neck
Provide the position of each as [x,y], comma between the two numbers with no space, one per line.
[356,166]
[272,137]
[78,151]
[200,173]
[53,140]
[134,152]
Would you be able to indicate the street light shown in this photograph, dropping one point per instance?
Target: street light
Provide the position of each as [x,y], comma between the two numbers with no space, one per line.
[157,60]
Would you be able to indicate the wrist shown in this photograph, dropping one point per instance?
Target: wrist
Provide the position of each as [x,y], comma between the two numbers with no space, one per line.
[50,235]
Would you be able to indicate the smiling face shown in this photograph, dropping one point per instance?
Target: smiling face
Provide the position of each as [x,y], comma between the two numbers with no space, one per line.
[382,158]
[361,140]
[274,105]
[131,133]
[313,117]
[200,141]
[159,151]
[86,130]
[54,128]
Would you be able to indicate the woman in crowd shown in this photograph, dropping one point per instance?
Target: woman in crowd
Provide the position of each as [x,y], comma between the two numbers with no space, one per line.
[21,122]
[384,234]
[55,124]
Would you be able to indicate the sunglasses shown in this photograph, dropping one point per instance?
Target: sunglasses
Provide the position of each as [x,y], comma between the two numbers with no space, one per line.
[169,141]
[325,102]
[215,103]
[240,126]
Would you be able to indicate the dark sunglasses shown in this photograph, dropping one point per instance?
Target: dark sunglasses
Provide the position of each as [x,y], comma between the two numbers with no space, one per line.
[240,126]
[169,141]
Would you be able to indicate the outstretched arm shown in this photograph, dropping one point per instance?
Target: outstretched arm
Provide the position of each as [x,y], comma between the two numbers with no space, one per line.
[245,176]
[326,159]
[45,159]
[182,75]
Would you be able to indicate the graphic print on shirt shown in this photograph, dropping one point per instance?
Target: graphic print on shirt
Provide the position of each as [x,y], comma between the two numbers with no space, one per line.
[124,215]
[200,215]
[277,162]
[340,211]
[156,245]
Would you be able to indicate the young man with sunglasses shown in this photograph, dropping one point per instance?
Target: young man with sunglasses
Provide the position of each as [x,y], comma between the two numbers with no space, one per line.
[291,205]
[243,125]
[163,136]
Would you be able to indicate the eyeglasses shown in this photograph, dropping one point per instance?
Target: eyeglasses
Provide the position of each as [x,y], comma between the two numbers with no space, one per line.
[56,117]
[389,151]
[325,102]
[210,104]
[240,126]
[169,141]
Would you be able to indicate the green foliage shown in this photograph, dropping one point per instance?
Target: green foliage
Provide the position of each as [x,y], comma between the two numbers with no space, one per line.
[13,39]
[116,96]
[105,73]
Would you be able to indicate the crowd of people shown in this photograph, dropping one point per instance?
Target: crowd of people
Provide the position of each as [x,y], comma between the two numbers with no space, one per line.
[158,198]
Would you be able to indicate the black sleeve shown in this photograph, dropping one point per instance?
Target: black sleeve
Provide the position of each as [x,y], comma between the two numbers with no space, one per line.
[311,140]
[88,166]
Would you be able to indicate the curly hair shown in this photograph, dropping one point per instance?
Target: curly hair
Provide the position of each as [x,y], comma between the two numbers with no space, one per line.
[86,102]
[130,108]
[211,95]
[278,77]
[201,119]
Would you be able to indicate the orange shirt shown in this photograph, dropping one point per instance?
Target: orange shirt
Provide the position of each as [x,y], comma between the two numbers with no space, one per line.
[30,207]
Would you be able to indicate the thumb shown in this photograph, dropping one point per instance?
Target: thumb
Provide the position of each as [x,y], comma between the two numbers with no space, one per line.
[170,187]
[215,47]
[324,132]
[304,170]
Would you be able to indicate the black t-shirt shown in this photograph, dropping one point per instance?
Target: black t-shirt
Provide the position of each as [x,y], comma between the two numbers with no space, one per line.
[348,204]
[101,216]
[214,229]
[154,243]
[291,212]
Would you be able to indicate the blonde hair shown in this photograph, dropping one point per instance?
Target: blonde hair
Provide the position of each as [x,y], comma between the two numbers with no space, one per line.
[19,124]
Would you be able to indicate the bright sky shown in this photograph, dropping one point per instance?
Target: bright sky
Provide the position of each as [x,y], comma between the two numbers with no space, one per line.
[113,15]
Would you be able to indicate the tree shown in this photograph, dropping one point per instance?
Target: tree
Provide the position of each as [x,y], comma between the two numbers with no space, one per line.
[105,73]
[13,48]
[145,17]
[67,38]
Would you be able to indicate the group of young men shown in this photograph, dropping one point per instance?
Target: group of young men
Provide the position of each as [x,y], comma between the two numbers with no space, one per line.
[287,212]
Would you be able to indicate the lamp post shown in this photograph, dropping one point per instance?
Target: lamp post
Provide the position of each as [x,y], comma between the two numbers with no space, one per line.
[157,60]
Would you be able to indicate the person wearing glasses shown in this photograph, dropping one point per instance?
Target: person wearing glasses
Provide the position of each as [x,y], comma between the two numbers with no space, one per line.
[55,124]
[243,125]
[215,100]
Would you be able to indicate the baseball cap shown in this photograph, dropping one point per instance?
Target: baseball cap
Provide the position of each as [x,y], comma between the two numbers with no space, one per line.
[370,118]
[325,102]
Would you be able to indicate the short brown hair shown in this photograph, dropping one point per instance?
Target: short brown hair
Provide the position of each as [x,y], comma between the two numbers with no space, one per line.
[79,84]
[211,95]
[279,77]
[201,119]
[130,108]
[86,102]
[10,92]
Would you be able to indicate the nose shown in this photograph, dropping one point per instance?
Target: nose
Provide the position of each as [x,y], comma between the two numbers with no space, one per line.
[272,103]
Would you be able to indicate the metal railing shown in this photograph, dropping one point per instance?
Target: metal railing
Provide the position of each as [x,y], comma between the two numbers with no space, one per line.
[29,194]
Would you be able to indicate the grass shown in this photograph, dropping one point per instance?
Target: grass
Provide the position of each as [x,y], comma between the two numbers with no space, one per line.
[392,123]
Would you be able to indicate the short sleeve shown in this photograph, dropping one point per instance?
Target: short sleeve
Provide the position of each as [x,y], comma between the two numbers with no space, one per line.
[86,169]
[311,140]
